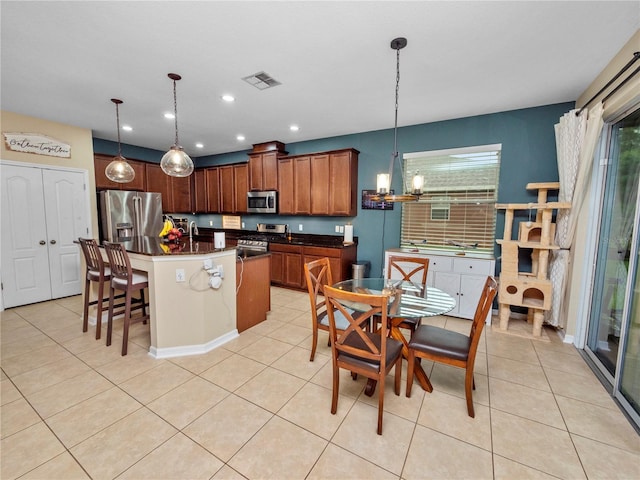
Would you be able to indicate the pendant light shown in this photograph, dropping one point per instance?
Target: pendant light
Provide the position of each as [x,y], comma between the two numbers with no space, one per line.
[383,180]
[176,163]
[119,169]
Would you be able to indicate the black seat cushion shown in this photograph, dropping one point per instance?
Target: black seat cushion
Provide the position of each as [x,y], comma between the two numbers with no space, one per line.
[394,349]
[441,342]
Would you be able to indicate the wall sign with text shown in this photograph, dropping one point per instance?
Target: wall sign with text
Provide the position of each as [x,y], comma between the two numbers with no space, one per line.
[37,143]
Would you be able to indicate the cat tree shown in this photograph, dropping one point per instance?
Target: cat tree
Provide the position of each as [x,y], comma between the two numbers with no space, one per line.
[528,289]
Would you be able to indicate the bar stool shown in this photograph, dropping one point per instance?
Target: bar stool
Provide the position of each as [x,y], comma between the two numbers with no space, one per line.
[98,272]
[124,278]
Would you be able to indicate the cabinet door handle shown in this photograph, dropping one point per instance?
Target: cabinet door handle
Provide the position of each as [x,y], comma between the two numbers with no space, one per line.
[52,242]
[42,242]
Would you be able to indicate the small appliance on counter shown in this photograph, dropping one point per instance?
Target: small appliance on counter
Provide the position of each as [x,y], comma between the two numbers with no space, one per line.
[181,223]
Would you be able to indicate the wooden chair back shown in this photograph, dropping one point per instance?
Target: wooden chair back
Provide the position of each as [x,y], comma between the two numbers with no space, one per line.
[119,261]
[421,266]
[356,348]
[92,257]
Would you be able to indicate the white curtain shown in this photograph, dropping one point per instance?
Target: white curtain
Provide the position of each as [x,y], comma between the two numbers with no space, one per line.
[576,140]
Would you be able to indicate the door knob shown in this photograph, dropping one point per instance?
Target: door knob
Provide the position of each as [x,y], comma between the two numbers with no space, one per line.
[52,242]
[42,242]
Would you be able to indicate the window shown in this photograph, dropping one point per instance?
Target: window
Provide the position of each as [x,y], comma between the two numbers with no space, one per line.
[457,209]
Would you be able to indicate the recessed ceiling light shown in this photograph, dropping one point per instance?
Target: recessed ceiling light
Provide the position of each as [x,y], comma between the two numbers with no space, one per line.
[240,138]
[127,128]
[199,145]
[228,98]
[294,128]
[169,115]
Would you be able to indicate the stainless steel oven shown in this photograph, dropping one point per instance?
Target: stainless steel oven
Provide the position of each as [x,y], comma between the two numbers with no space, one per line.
[262,202]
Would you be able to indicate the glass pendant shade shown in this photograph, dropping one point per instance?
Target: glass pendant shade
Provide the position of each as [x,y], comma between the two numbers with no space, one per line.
[176,162]
[120,171]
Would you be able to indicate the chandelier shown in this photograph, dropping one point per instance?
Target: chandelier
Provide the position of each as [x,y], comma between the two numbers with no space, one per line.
[383,180]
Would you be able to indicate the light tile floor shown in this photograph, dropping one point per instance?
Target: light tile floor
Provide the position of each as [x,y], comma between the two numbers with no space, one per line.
[73,408]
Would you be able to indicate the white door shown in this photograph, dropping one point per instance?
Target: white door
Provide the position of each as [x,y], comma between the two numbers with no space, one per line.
[65,209]
[43,211]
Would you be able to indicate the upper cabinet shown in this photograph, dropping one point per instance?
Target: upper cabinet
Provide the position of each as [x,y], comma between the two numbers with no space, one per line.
[319,184]
[234,185]
[103,183]
[263,166]
[176,191]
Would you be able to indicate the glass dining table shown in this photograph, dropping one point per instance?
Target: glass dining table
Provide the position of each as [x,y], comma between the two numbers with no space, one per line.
[407,299]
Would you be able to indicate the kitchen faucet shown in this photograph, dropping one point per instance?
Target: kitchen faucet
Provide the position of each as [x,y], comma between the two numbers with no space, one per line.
[193,228]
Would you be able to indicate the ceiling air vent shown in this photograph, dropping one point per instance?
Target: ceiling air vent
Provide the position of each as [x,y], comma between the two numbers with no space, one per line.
[261,81]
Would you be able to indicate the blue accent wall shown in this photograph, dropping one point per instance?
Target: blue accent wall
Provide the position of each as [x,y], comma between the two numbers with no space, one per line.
[528,155]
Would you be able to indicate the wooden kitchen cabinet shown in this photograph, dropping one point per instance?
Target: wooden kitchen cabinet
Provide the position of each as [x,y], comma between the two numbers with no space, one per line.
[263,171]
[302,186]
[212,182]
[176,191]
[253,297]
[285,193]
[158,181]
[287,262]
[343,182]
[199,191]
[103,183]
[319,184]
[241,187]
[234,185]
[227,195]
[286,265]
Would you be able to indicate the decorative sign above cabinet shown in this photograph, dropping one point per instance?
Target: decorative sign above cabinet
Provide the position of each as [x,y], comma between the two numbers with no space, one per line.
[36,143]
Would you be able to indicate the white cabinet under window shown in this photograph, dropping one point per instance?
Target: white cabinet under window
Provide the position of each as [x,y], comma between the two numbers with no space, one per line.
[461,277]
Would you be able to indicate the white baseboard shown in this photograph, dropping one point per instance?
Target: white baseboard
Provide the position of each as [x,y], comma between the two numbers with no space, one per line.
[170,352]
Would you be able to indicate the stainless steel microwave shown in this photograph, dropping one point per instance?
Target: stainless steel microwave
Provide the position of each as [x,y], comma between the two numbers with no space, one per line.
[262,202]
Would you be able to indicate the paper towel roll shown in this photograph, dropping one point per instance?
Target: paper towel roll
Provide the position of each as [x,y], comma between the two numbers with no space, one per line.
[218,240]
[348,234]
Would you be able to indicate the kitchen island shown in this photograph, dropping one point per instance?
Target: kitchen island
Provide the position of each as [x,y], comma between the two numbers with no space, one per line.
[187,315]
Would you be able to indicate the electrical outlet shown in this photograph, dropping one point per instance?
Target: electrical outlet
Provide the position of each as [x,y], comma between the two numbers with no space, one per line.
[207,264]
[337,228]
[300,227]
[220,271]
[180,275]
[243,225]
[341,228]
[211,223]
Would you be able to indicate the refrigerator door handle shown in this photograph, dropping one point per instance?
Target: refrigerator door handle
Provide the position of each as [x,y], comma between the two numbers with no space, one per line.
[137,215]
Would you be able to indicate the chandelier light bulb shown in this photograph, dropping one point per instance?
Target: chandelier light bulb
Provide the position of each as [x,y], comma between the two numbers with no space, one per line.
[176,163]
[119,170]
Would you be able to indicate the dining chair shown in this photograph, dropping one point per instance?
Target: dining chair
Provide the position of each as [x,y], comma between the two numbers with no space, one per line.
[407,267]
[371,354]
[318,275]
[124,278]
[453,348]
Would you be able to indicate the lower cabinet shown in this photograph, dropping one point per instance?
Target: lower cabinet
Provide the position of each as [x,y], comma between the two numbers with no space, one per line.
[287,263]
[253,298]
[461,277]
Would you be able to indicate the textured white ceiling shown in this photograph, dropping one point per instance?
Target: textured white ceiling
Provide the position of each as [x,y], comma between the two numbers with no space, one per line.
[63,61]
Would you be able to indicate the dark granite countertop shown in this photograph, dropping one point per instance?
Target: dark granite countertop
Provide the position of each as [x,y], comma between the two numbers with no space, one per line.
[306,239]
[156,246]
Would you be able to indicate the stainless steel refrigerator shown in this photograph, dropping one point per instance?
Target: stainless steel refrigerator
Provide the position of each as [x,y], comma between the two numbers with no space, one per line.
[124,214]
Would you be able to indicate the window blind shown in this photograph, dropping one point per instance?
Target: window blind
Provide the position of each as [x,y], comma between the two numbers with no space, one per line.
[457,208]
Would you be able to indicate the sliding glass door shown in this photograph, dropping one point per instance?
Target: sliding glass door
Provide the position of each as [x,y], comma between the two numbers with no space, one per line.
[613,337]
